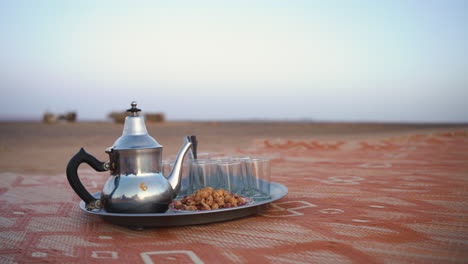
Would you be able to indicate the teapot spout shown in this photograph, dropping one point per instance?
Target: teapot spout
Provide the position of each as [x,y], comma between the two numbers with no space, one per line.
[175,175]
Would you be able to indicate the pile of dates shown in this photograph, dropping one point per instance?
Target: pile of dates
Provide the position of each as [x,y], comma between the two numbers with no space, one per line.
[209,199]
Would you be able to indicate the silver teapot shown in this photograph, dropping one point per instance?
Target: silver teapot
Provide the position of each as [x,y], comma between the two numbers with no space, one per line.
[136,183]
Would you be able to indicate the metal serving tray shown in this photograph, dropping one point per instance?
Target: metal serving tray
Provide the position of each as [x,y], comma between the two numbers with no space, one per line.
[177,218]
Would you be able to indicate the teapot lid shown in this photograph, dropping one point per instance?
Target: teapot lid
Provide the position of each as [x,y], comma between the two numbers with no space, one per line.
[135,135]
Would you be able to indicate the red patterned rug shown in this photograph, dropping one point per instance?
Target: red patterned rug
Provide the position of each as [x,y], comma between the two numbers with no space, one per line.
[400,200]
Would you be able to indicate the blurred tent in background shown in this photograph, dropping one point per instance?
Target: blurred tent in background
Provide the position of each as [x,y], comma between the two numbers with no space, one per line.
[119,117]
[50,118]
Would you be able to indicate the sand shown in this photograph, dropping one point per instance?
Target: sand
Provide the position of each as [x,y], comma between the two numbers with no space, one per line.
[45,149]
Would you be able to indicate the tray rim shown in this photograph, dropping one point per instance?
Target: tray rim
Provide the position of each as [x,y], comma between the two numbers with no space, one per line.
[278,191]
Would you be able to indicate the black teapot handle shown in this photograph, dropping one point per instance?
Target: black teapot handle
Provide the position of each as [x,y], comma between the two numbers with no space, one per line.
[74,180]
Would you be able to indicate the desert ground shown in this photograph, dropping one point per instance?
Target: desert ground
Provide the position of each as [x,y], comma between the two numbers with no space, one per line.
[45,149]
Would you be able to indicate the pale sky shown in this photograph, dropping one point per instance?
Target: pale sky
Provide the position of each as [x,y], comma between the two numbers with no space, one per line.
[396,61]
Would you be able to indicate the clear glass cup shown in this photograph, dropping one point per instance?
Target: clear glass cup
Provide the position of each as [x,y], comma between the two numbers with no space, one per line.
[242,159]
[185,181]
[218,159]
[258,178]
[167,167]
[202,173]
[204,155]
[209,155]
[230,171]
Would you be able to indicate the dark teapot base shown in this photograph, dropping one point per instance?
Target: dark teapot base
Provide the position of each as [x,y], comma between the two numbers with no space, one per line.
[130,208]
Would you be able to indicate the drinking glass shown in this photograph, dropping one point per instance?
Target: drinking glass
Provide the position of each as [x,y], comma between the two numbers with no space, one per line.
[209,155]
[220,158]
[258,178]
[167,167]
[202,173]
[204,155]
[230,172]
[185,181]
[243,173]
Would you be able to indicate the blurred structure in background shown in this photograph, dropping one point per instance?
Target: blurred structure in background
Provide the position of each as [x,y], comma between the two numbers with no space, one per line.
[155,117]
[69,117]
[50,118]
[119,117]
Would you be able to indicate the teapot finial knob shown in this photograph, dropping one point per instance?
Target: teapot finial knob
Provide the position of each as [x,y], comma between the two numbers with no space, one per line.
[134,110]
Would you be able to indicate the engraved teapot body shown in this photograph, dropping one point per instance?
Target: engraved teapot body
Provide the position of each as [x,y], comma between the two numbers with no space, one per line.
[136,183]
